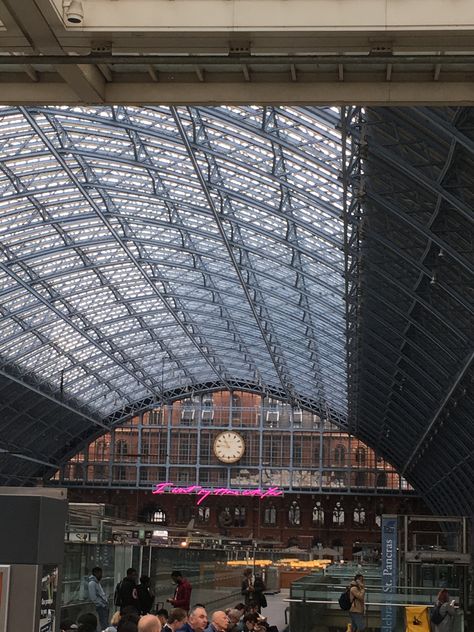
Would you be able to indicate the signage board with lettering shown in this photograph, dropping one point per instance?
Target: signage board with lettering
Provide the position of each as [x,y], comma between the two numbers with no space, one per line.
[49,587]
[388,612]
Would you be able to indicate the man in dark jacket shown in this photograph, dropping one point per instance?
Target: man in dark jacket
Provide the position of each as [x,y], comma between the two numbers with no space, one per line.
[127,591]
[182,593]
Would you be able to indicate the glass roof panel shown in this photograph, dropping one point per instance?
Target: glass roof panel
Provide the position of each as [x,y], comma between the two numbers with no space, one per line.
[149,248]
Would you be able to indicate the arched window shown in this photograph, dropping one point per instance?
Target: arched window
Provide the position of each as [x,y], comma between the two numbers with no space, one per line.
[339,454]
[318,514]
[239,516]
[121,449]
[269,515]
[361,479]
[360,456]
[236,401]
[378,514]
[359,516]
[381,479]
[338,514]
[184,513]
[100,450]
[203,515]
[294,514]
[158,516]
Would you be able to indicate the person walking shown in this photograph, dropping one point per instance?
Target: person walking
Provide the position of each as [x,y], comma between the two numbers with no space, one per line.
[443,613]
[98,597]
[182,593]
[357,611]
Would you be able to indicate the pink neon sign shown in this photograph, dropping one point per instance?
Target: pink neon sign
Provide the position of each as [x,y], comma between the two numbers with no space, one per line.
[203,492]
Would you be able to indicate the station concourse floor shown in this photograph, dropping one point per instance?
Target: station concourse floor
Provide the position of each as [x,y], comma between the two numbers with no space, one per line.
[275,611]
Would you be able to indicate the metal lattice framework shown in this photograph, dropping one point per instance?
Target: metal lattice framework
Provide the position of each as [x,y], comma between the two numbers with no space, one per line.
[153,251]
[412,297]
[317,255]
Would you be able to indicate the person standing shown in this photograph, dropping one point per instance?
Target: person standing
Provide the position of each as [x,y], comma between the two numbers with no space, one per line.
[182,593]
[247,586]
[98,597]
[357,596]
[145,595]
[258,590]
[444,621]
[127,592]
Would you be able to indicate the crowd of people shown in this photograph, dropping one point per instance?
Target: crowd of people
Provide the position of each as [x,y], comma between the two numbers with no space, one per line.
[134,601]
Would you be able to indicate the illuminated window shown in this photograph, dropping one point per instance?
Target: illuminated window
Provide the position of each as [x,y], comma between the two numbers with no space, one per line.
[318,514]
[239,516]
[359,516]
[158,516]
[294,514]
[338,515]
[203,515]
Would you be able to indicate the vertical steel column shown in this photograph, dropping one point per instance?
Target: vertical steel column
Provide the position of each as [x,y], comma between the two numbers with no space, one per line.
[139,455]
[198,450]
[168,435]
[260,443]
[321,453]
[291,449]
[112,457]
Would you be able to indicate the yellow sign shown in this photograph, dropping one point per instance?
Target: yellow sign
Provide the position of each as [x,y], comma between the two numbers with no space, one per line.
[417,619]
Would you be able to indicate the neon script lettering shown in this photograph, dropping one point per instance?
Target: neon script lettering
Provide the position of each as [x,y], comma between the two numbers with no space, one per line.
[203,492]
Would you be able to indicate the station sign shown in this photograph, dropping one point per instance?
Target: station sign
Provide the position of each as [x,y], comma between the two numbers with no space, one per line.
[389,572]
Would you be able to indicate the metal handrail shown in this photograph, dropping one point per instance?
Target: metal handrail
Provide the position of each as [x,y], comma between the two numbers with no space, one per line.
[367,603]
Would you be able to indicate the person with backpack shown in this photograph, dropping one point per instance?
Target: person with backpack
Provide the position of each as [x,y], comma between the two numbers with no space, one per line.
[126,592]
[145,595]
[443,612]
[357,599]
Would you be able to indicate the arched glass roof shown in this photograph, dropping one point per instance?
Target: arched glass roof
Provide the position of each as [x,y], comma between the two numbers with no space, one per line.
[145,249]
[321,256]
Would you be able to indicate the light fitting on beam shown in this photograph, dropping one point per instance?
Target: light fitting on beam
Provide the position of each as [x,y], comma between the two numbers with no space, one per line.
[73,11]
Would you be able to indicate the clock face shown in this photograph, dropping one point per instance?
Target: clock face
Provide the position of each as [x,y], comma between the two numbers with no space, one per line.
[229,446]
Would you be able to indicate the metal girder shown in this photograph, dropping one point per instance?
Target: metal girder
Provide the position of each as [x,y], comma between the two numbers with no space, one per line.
[173,311]
[262,320]
[77,172]
[410,212]
[429,426]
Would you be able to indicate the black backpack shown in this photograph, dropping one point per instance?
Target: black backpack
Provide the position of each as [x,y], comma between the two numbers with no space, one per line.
[117,595]
[345,602]
[436,617]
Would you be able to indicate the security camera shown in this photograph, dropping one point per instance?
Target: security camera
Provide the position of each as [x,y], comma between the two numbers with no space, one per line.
[73,11]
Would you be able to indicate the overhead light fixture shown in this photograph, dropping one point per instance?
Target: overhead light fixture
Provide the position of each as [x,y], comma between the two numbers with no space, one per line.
[73,11]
